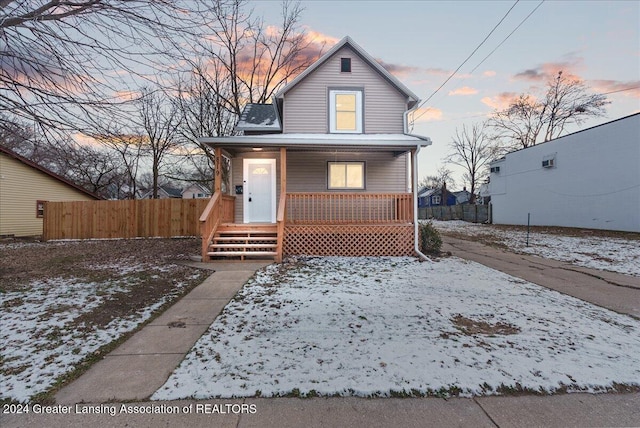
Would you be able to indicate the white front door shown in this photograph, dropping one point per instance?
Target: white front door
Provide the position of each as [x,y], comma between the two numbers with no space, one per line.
[259,193]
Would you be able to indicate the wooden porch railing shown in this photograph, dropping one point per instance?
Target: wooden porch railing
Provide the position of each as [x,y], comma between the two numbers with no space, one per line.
[280,219]
[349,208]
[221,208]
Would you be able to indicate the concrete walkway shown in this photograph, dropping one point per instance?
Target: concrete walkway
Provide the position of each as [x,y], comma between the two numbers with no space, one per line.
[571,410]
[620,293]
[141,365]
[138,367]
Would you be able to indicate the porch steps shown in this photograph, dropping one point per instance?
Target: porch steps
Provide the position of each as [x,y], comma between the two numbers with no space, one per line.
[244,240]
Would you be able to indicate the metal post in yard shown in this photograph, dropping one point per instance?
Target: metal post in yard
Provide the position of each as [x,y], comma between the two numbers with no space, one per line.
[528,226]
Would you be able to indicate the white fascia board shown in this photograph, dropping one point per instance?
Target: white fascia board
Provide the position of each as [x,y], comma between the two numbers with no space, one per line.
[321,140]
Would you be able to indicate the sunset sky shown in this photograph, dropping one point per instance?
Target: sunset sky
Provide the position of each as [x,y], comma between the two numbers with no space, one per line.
[423,42]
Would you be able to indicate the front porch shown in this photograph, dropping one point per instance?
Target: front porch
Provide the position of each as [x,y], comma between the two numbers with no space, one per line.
[321,224]
[327,223]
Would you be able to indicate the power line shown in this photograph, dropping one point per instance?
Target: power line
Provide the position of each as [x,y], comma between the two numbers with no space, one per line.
[485,58]
[621,90]
[467,59]
[509,35]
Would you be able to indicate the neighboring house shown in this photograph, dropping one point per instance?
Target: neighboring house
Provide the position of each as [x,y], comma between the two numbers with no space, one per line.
[463,196]
[484,195]
[164,192]
[588,179]
[436,197]
[24,188]
[323,169]
[196,191]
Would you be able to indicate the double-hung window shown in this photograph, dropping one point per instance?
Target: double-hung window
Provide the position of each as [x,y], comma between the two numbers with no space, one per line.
[346,175]
[345,111]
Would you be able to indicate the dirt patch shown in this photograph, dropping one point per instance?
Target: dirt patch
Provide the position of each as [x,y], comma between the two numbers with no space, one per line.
[144,268]
[98,260]
[77,288]
[471,327]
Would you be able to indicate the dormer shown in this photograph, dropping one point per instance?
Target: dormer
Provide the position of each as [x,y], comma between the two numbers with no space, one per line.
[346,91]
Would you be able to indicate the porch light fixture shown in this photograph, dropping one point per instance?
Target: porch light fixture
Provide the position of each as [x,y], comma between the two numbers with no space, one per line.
[256,149]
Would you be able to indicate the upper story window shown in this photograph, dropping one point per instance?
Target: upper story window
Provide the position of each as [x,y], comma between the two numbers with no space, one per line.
[345,65]
[345,111]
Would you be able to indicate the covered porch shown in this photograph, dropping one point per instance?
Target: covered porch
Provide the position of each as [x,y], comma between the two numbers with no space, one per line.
[374,220]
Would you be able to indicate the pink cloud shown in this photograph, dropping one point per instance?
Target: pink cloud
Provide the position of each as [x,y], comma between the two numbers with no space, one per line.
[549,70]
[500,101]
[465,90]
[397,70]
[489,73]
[438,72]
[426,114]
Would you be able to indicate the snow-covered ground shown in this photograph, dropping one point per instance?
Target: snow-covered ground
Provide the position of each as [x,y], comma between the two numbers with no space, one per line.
[41,336]
[385,326]
[612,254]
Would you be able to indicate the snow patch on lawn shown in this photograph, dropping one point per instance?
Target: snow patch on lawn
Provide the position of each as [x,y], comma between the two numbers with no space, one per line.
[40,338]
[383,326]
[612,254]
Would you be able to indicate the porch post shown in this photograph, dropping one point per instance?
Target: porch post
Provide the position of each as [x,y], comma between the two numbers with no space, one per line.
[282,204]
[283,170]
[414,185]
[414,191]
[217,178]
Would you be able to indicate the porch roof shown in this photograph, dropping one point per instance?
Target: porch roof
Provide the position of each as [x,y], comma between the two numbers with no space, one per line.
[394,142]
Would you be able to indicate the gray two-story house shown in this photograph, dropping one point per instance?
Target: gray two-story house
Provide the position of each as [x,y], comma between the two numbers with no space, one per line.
[325,169]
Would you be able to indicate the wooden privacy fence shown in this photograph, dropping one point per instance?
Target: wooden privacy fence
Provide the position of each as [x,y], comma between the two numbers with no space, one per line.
[467,212]
[123,219]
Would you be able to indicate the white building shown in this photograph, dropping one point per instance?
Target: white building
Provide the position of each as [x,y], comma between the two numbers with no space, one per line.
[589,179]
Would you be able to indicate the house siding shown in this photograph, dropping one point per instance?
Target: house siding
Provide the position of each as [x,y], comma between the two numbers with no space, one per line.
[306,105]
[594,183]
[21,186]
[385,172]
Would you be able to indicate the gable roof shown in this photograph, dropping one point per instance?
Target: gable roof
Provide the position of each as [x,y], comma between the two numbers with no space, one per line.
[347,41]
[46,171]
[259,117]
[168,191]
[198,186]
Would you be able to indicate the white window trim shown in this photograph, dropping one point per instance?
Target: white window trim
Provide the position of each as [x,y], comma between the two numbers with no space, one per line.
[332,110]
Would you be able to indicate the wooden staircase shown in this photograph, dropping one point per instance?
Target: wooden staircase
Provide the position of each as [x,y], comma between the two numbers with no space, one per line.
[244,240]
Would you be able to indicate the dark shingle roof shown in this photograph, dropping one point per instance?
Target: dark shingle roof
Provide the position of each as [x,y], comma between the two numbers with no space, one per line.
[259,117]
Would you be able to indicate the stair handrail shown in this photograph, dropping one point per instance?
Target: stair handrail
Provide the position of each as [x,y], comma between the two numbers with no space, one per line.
[209,222]
[280,219]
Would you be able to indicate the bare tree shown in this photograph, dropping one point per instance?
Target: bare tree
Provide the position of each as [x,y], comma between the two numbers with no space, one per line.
[257,59]
[92,168]
[159,123]
[241,61]
[529,119]
[62,62]
[436,181]
[129,149]
[201,100]
[472,149]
